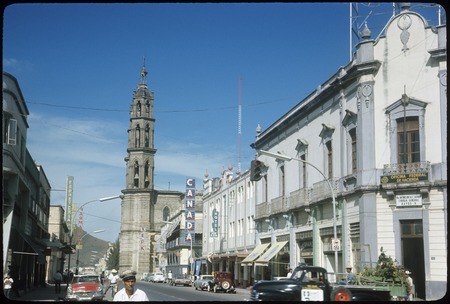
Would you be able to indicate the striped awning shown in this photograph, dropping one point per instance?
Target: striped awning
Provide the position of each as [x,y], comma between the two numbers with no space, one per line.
[270,253]
[257,251]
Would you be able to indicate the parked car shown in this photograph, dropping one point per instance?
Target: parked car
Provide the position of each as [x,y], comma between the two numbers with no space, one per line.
[222,281]
[85,287]
[280,278]
[150,276]
[157,277]
[310,283]
[180,279]
[203,281]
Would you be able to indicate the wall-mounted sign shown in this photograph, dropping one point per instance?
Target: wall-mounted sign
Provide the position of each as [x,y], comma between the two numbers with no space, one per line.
[190,210]
[408,200]
[214,223]
[404,178]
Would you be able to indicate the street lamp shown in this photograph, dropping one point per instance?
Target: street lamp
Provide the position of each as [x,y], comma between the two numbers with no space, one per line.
[78,249]
[73,216]
[288,158]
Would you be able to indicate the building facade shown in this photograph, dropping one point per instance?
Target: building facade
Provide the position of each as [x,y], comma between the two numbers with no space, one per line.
[26,195]
[360,165]
[229,231]
[180,241]
[59,236]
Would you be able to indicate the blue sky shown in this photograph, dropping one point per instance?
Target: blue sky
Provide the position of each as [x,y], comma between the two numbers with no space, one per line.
[78,64]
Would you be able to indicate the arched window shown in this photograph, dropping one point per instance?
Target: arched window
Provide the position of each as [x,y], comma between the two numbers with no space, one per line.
[137,140]
[147,179]
[166,213]
[136,174]
[147,136]
[138,108]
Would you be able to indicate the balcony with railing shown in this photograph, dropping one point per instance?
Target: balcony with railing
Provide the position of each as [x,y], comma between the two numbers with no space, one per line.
[278,205]
[262,210]
[299,198]
[321,190]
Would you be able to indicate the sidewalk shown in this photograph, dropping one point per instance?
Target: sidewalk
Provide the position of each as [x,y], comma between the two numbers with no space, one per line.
[45,294]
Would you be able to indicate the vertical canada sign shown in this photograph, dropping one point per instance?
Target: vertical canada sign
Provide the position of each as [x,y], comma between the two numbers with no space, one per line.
[190,210]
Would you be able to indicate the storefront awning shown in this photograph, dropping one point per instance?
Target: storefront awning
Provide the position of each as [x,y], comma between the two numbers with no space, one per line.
[270,253]
[257,251]
[39,252]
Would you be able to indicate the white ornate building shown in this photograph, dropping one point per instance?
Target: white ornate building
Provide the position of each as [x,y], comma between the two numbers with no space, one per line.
[361,166]
[377,131]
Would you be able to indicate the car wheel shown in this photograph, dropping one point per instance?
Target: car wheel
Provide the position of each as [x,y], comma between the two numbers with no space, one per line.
[226,284]
[341,294]
[195,287]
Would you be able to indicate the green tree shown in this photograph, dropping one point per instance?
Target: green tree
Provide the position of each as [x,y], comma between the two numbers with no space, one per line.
[113,259]
[387,269]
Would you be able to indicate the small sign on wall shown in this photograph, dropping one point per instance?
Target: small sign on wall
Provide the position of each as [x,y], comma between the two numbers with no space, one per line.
[408,200]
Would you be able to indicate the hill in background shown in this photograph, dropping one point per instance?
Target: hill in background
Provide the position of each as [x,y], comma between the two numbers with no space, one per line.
[91,247]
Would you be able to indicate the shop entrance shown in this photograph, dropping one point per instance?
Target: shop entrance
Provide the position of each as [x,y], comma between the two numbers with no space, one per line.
[413,253]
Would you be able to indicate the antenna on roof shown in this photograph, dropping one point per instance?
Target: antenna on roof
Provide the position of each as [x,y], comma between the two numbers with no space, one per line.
[239,127]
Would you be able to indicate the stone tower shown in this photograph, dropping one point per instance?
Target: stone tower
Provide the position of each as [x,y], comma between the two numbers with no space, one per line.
[143,207]
[137,224]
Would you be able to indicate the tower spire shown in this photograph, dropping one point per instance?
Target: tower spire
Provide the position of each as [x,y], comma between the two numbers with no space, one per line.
[143,77]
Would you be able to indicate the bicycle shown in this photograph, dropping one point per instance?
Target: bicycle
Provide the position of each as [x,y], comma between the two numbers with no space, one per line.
[114,288]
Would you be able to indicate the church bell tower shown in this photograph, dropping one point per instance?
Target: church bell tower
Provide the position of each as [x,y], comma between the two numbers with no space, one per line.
[137,214]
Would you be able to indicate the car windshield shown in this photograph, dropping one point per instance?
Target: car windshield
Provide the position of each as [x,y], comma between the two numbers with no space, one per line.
[85,279]
[210,277]
[224,275]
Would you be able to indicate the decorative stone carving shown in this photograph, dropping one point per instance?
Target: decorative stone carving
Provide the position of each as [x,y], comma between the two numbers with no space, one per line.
[404,23]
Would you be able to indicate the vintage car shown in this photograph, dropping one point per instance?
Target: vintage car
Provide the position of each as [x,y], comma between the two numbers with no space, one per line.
[203,281]
[157,277]
[85,287]
[180,279]
[310,283]
[222,281]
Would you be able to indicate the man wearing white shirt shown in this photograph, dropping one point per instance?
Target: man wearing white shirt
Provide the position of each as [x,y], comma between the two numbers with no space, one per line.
[129,293]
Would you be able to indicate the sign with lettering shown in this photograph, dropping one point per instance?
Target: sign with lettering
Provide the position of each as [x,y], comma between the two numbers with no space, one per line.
[69,197]
[214,223]
[336,244]
[404,178]
[190,210]
[408,200]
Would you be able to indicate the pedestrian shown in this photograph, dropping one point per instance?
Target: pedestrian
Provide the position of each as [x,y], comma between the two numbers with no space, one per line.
[57,278]
[169,276]
[102,277]
[410,288]
[113,281]
[349,278]
[7,285]
[128,292]
[289,273]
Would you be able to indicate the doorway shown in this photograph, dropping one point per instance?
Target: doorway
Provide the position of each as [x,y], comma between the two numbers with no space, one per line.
[413,253]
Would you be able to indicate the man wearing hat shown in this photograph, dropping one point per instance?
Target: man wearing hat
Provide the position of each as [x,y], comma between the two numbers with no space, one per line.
[409,285]
[113,281]
[129,293]
[350,277]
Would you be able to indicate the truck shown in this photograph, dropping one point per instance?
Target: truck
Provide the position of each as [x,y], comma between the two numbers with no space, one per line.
[310,283]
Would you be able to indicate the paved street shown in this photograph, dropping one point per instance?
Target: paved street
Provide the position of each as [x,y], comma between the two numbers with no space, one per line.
[47,293]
